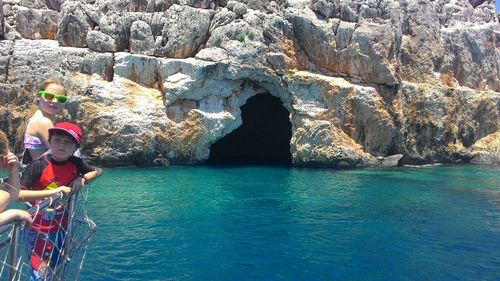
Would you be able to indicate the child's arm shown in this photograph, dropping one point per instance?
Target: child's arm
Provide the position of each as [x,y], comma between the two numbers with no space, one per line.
[90,174]
[11,192]
[30,195]
[88,177]
[80,181]
[12,164]
[13,214]
[4,199]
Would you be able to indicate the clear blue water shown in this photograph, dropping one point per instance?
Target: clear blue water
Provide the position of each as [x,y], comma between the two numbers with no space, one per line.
[269,223]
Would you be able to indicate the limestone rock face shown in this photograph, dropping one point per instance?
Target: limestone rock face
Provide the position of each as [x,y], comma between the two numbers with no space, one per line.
[36,24]
[444,124]
[365,51]
[365,82]
[74,24]
[487,150]
[99,41]
[6,48]
[54,4]
[455,46]
[1,21]
[141,38]
[328,119]
[181,35]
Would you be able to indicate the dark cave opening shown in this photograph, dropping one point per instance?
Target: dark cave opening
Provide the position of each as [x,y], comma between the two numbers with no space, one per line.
[262,139]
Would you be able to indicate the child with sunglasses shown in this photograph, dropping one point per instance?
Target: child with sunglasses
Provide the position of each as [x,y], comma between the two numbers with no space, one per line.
[34,134]
[9,188]
[55,172]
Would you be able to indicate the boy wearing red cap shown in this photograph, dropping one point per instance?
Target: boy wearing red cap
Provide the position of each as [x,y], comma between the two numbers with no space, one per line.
[58,171]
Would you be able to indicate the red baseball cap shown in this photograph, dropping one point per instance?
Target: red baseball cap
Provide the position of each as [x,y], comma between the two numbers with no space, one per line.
[68,128]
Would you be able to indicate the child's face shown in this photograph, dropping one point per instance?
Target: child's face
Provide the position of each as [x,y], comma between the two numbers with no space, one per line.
[62,146]
[52,107]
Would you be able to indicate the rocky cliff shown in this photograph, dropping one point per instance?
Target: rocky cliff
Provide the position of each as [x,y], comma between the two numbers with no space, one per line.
[365,82]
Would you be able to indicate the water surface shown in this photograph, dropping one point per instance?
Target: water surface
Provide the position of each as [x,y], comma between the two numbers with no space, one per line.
[271,223]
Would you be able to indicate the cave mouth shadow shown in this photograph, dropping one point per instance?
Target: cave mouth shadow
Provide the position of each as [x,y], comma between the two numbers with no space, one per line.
[263,139]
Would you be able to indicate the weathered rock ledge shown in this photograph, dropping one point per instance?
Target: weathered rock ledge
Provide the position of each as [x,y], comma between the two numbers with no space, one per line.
[365,82]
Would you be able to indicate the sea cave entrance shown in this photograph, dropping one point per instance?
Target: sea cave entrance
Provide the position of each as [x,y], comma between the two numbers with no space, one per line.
[262,139]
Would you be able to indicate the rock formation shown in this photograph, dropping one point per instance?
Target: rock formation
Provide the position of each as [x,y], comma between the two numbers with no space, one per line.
[366,82]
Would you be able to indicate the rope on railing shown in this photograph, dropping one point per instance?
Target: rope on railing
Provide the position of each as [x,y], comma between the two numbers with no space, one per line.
[35,209]
[62,257]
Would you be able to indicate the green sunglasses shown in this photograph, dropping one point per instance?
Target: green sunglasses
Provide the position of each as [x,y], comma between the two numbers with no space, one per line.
[48,96]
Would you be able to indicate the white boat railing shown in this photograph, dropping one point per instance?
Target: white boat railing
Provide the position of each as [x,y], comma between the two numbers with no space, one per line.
[65,258]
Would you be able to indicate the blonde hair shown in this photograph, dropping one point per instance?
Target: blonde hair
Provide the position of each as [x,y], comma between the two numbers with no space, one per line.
[4,144]
[30,112]
[45,84]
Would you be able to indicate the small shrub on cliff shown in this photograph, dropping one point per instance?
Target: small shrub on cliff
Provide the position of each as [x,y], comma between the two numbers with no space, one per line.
[251,35]
[240,36]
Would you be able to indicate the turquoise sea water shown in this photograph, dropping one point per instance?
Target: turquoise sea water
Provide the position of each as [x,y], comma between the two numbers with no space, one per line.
[271,223]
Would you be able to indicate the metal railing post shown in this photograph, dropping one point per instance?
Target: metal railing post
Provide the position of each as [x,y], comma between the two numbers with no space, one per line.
[14,252]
